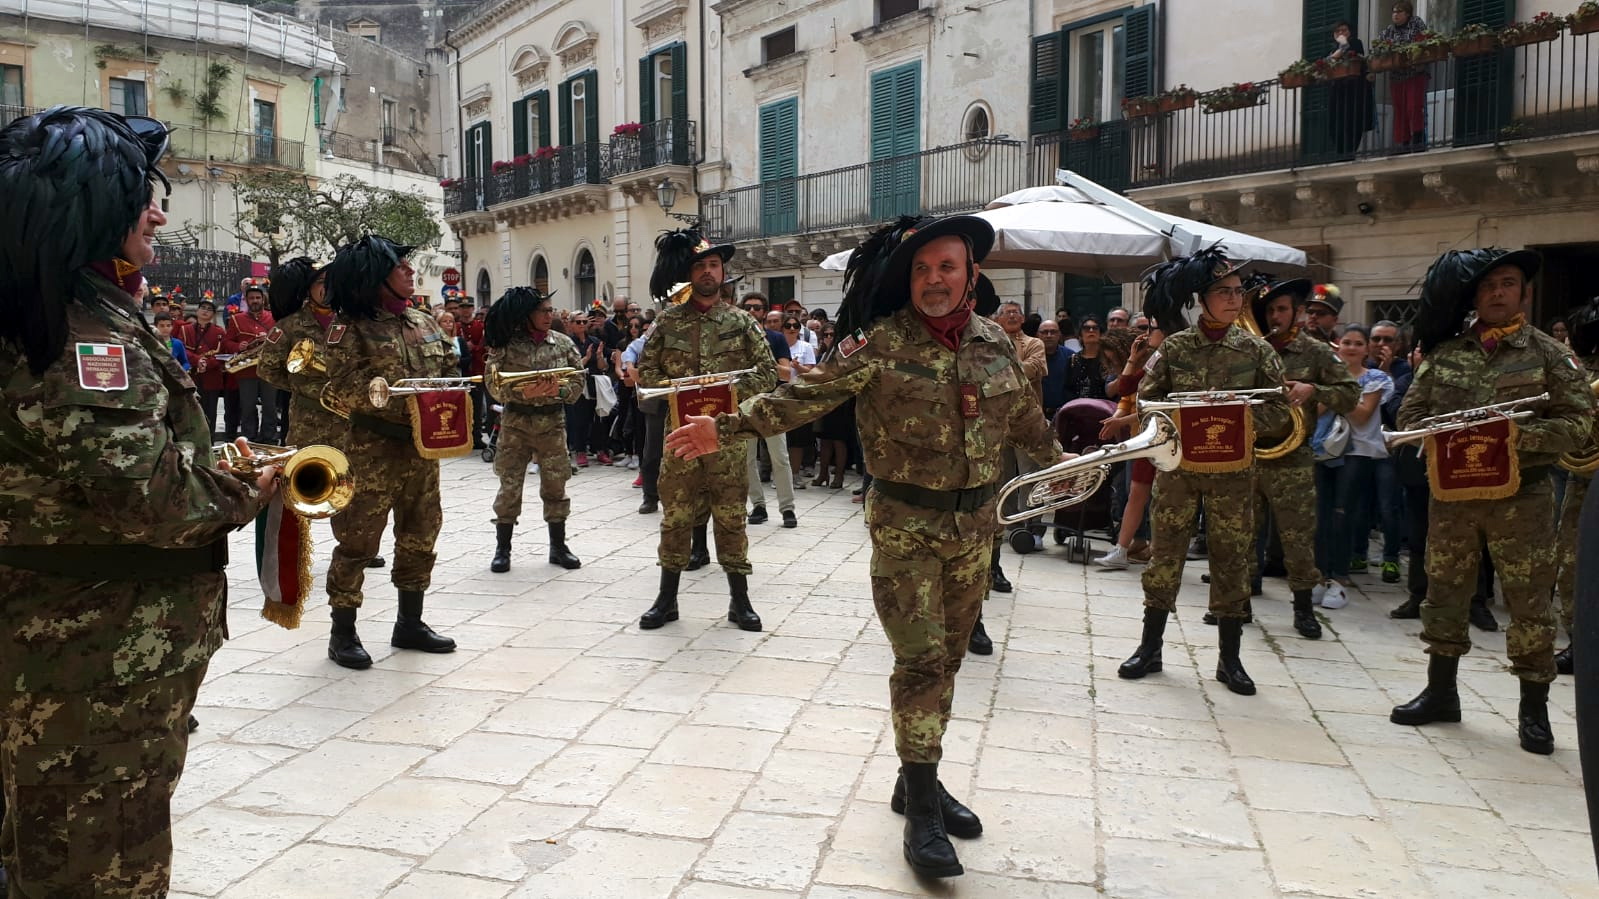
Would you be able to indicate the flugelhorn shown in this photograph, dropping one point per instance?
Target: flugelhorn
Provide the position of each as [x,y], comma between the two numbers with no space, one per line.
[694,382]
[1586,459]
[1465,418]
[302,357]
[316,479]
[1075,480]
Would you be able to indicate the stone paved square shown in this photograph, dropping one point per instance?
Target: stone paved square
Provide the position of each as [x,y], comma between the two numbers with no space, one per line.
[563,753]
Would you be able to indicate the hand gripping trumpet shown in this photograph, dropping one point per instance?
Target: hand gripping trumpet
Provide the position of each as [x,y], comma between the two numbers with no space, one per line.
[1075,480]
[1465,418]
[316,480]
[694,382]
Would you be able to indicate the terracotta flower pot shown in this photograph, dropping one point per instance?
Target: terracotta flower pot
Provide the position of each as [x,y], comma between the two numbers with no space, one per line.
[1083,135]
[1138,109]
[1172,104]
[1585,26]
[1387,62]
[1293,80]
[1524,38]
[1475,46]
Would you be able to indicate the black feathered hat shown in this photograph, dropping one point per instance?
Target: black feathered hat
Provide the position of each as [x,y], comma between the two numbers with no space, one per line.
[291,286]
[76,180]
[877,278]
[1583,325]
[1176,286]
[356,276]
[1449,289]
[987,297]
[1272,288]
[675,255]
[509,315]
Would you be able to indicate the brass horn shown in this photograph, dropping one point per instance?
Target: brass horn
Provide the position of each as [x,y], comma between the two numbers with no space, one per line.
[303,357]
[380,391]
[501,383]
[245,358]
[1075,480]
[1465,418]
[694,382]
[1296,437]
[1585,460]
[316,480]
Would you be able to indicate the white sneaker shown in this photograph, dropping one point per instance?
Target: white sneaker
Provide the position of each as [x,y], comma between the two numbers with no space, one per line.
[632,463]
[1317,592]
[534,468]
[1334,598]
[1115,560]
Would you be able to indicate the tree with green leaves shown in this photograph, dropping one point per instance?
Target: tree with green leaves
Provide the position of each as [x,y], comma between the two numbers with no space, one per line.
[283,214]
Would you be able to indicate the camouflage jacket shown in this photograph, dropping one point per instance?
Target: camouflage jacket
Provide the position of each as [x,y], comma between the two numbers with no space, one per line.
[410,345]
[1307,359]
[556,351]
[911,401]
[687,341]
[1188,360]
[97,467]
[309,421]
[1459,374]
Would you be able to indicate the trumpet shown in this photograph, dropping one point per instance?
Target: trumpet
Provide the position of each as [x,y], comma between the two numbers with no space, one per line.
[1190,398]
[379,391]
[245,358]
[501,383]
[1075,480]
[1465,418]
[1586,459]
[316,480]
[302,356]
[693,382]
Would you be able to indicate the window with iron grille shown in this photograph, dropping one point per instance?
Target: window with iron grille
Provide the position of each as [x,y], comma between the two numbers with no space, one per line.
[1401,311]
[10,85]
[778,44]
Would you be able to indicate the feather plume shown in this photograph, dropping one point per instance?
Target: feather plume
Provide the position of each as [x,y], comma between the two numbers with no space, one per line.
[290,286]
[1446,297]
[355,276]
[509,315]
[674,251]
[1174,287]
[863,302]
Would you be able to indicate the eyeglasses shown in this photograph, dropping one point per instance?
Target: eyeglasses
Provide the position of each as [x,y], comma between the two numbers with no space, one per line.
[1383,338]
[791,327]
[1140,327]
[1227,292]
[1094,328]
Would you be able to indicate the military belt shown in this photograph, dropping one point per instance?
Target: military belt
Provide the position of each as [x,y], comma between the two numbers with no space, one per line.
[381,426]
[113,562]
[968,499]
[530,409]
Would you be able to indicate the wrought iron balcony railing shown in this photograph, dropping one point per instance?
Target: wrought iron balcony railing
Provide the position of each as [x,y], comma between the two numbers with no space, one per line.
[665,142]
[1537,90]
[237,147]
[959,178]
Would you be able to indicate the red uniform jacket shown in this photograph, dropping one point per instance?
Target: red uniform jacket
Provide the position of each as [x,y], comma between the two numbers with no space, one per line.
[244,330]
[203,343]
[474,340]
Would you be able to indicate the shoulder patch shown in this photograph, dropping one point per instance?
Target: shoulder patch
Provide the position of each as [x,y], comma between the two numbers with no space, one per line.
[852,344]
[102,366]
[336,333]
[274,334]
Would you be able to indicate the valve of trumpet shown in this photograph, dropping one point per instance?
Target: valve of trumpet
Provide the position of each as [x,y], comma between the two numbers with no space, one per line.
[377,391]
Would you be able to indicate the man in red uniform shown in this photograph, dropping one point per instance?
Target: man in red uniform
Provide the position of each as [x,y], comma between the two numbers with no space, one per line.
[471,327]
[245,330]
[203,341]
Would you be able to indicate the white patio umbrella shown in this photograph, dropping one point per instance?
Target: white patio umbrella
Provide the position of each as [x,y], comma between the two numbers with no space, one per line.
[1081,228]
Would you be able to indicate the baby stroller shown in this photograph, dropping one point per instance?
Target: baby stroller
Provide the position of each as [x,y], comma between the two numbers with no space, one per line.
[1077,426]
[491,446]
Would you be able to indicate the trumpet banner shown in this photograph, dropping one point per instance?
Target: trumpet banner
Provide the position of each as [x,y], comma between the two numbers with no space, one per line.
[283,563]
[1478,462]
[1216,438]
[710,400]
[441,423]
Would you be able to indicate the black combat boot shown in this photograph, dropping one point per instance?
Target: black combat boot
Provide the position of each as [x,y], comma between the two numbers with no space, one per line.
[699,553]
[978,645]
[1565,663]
[344,647]
[1305,616]
[1439,700]
[1533,717]
[1229,669]
[1146,658]
[1482,617]
[998,582]
[1409,609]
[377,562]
[502,548]
[665,608]
[559,554]
[739,610]
[959,820]
[927,846]
[409,630]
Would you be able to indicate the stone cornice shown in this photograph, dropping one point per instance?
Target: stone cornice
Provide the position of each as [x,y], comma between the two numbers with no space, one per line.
[777,74]
[662,19]
[574,43]
[899,33]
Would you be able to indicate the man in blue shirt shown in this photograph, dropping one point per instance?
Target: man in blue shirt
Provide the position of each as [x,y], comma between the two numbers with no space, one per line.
[1057,355]
[776,445]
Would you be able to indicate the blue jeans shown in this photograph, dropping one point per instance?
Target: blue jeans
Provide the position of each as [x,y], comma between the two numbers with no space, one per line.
[1338,494]
[1384,504]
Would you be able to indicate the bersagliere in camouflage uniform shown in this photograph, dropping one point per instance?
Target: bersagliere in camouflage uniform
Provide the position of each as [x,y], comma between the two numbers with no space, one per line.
[939,394]
[301,313]
[1494,360]
[1583,326]
[1215,355]
[702,336]
[113,517]
[1288,484]
[377,334]
[533,425]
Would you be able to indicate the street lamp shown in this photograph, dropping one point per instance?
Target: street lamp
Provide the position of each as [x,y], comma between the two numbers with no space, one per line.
[666,196]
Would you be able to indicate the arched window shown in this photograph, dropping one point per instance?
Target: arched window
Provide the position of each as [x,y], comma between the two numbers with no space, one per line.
[583,278]
[484,289]
[541,274]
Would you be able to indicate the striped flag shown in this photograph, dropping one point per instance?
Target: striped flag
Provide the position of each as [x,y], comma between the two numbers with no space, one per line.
[283,563]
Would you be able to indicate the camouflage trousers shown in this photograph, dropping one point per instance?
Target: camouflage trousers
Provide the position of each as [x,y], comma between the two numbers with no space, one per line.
[1566,548]
[929,579]
[1289,489]
[389,476]
[713,485]
[310,424]
[525,437]
[88,779]
[1229,531]
[1519,532]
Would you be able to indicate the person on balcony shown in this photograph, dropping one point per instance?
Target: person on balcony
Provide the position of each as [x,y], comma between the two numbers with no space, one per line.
[1407,87]
[1350,101]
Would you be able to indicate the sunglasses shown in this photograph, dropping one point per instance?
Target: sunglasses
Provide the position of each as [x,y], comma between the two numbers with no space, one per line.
[1383,339]
[791,327]
[1094,328]
[1140,327]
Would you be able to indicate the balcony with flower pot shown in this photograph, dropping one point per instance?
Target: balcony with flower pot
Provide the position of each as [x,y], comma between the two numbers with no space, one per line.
[642,154]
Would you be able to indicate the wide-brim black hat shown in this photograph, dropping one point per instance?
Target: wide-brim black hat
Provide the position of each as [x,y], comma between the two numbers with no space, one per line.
[1528,261]
[675,255]
[1449,289]
[976,232]
[987,297]
[1298,288]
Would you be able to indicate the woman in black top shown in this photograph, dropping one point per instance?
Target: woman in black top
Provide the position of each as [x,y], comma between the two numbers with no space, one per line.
[1350,101]
[1085,379]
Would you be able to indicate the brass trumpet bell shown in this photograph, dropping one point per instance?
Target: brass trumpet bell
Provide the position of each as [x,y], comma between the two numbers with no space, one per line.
[303,357]
[1296,437]
[1075,480]
[316,480]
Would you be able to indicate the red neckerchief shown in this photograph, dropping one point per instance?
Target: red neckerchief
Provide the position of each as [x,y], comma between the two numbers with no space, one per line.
[537,335]
[395,305]
[694,300]
[1212,329]
[1490,335]
[946,329]
[123,274]
[1280,340]
[322,314]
